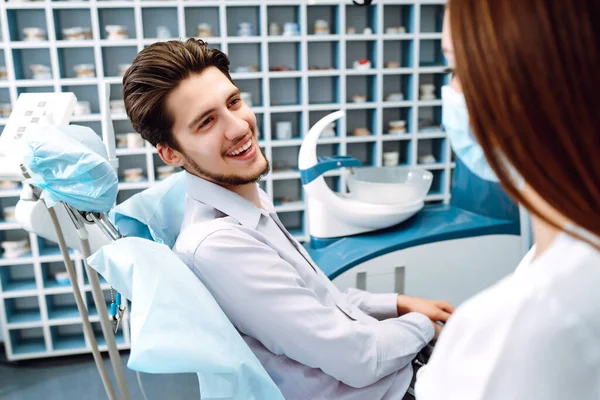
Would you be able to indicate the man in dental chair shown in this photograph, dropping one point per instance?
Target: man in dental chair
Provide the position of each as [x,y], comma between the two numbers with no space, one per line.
[315,342]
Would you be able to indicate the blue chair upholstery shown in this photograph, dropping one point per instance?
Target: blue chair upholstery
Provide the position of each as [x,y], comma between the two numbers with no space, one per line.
[156,213]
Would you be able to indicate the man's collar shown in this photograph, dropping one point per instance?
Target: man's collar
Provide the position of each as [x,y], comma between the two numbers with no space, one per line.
[226,201]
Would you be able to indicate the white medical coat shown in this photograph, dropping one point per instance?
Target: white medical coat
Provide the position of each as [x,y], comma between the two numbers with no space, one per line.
[315,342]
[534,335]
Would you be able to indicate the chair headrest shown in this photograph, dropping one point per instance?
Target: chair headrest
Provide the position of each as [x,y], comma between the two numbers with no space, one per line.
[155,213]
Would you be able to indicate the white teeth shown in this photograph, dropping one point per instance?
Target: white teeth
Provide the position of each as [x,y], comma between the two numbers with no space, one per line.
[241,149]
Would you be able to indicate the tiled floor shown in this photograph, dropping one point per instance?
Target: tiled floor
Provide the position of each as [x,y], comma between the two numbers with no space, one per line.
[76,377]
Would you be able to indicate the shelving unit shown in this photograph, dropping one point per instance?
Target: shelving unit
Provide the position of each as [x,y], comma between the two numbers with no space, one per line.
[290,78]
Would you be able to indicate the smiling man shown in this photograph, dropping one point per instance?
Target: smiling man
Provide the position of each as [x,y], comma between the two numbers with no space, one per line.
[313,340]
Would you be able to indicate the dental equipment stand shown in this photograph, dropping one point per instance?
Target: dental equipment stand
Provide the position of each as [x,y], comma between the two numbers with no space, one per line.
[71,229]
[447,251]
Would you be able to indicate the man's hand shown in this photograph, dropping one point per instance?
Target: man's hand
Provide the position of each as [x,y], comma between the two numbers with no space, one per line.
[435,310]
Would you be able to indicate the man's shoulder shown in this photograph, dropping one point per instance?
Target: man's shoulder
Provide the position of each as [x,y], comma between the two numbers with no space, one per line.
[193,234]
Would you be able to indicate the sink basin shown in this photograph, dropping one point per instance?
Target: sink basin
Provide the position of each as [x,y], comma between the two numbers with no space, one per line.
[389,185]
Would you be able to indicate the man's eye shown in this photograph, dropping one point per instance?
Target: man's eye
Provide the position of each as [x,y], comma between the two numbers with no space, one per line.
[234,102]
[206,122]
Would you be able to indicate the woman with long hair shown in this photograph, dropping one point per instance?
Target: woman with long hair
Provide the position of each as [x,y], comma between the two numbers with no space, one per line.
[529,71]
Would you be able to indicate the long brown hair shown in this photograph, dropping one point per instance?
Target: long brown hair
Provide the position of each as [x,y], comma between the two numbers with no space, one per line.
[530,72]
[155,72]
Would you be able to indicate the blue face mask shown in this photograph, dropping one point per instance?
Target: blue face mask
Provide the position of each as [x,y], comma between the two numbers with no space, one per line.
[455,119]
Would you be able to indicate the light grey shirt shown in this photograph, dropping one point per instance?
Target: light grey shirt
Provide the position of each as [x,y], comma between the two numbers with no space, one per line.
[314,341]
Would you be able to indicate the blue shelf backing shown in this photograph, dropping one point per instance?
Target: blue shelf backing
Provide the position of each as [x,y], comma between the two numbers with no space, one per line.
[48,273]
[431,53]
[24,341]
[16,278]
[22,310]
[62,306]
[67,337]
[364,152]
[432,18]
[360,18]
[399,15]
[327,13]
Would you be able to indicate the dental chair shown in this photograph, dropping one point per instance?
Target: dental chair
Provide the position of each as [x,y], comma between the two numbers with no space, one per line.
[176,325]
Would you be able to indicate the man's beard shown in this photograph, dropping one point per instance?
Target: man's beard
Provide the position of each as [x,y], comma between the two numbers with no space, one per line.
[227,180]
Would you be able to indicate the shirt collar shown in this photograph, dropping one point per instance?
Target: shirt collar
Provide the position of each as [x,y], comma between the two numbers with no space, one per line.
[227,201]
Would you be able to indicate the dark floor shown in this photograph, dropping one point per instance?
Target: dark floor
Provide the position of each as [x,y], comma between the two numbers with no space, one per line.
[76,377]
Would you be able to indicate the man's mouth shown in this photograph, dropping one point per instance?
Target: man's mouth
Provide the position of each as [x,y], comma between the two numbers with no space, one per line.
[244,149]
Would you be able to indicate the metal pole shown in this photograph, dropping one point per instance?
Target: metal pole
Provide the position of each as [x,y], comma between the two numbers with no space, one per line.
[105,322]
[81,307]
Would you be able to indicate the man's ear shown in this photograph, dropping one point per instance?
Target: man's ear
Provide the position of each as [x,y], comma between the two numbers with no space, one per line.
[170,156]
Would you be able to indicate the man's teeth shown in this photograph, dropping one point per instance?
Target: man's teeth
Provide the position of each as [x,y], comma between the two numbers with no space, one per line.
[242,149]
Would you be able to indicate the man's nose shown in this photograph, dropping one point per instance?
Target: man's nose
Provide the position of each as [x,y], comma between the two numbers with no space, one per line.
[235,127]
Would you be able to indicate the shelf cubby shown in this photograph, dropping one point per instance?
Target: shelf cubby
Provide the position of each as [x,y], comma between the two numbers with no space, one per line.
[28,61]
[62,306]
[18,20]
[432,18]
[67,337]
[284,57]
[398,53]
[87,93]
[160,23]
[286,91]
[363,152]
[285,159]
[245,57]
[72,18]
[323,56]
[430,119]
[323,90]
[430,53]
[123,17]
[17,278]
[113,57]
[237,15]
[71,60]
[282,15]
[392,114]
[360,119]
[292,188]
[437,80]
[327,13]
[22,310]
[401,147]
[397,88]
[361,88]
[359,19]
[361,50]
[398,19]
[27,341]
[208,17]
[431,151]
